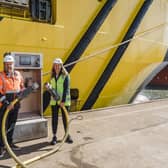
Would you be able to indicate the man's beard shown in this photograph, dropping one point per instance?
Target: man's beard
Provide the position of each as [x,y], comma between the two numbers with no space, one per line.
[9,70]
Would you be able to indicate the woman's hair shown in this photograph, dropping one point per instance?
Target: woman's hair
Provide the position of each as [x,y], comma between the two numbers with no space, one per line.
[63,71]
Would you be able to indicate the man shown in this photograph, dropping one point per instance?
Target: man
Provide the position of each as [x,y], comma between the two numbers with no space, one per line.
[11,83]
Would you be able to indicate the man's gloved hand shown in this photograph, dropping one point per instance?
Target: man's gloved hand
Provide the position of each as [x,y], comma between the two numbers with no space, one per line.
[2,98]
[3,101]
[10,107]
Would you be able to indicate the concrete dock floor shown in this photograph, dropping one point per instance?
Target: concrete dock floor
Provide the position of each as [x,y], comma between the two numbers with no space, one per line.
[126,136]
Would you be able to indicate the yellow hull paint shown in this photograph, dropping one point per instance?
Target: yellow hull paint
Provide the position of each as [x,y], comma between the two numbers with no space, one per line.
[141,57]
[72,19]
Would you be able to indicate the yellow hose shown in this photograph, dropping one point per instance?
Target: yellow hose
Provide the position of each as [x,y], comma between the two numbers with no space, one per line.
[19,163]
[56,149]
[11,153]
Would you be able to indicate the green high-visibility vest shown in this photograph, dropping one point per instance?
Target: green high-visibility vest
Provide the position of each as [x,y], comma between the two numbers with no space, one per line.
[59,87]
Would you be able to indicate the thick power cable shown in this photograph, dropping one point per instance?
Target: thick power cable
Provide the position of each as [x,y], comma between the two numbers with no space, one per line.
[21,164]
[11,153]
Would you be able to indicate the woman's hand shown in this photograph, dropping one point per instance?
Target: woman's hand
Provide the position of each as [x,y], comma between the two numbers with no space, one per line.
[62,104]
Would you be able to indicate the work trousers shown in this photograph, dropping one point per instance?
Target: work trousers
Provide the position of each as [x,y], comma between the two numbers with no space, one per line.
[10,123]
[55,110]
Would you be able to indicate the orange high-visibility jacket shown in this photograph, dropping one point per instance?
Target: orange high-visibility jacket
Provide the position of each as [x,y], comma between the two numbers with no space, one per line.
[11,84]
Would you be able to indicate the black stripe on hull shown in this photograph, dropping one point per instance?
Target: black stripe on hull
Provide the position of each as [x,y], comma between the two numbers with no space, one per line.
[90,33]
[151,76]
[116,58]
[1,18]
[166,56]
[84,42]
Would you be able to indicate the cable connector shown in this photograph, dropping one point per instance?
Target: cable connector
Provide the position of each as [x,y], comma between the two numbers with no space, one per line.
[52,91]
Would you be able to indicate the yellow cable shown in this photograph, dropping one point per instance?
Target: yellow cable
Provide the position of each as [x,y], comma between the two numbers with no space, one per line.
[19,163]
[56,149]
[11,153]
[61,144]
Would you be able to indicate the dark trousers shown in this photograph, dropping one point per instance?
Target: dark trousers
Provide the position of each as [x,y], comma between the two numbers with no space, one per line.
[10,123]
[55,110]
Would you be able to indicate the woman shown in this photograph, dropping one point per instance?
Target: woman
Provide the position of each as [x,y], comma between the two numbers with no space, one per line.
[60,81]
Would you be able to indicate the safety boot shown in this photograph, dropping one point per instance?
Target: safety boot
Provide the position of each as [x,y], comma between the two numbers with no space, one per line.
[2,152]
[14,147]
[54,140]
[69,140]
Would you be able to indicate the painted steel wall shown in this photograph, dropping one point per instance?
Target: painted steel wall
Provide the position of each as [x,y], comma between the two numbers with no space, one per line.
[73,18]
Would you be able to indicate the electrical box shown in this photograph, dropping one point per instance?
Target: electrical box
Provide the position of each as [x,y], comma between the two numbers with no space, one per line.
[30,66]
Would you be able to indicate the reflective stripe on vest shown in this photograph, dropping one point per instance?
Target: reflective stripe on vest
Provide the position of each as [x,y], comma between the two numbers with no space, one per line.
[58,86]
[12,91]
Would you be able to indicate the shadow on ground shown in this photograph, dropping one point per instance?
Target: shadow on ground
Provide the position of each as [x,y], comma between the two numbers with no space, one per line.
[30,149]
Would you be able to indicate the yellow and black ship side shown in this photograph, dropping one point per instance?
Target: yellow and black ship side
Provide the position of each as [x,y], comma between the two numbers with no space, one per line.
[111,48]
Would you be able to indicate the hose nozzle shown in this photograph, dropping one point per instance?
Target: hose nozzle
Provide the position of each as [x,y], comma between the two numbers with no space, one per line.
[52,91]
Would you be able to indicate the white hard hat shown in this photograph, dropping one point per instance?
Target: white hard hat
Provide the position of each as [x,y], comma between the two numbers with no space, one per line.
[58,61]
[8,58]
